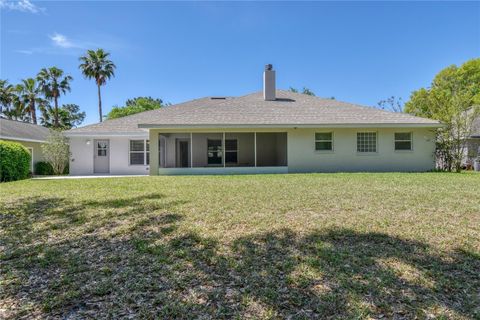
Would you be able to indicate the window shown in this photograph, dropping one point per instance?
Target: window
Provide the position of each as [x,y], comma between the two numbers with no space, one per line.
[214,151]
[102,148]
[366,142]
[403,141]
[231,151]
[139,152]
[323,141]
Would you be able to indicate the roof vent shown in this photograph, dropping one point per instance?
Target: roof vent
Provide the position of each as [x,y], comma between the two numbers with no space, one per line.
[269,83]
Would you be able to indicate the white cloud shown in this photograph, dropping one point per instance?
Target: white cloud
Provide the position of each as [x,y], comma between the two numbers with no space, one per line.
[62,41]
[21,5]
[24,51]
[61,44]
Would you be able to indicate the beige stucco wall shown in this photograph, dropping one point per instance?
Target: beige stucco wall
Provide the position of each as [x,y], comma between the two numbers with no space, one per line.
[36,148]
[302,156]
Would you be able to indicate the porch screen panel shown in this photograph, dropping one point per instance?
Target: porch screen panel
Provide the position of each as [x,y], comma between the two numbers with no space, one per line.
[231,151]
[271,149]
[214,151]
[239,149]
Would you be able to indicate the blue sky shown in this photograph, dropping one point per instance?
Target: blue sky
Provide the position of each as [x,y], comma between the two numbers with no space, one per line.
[359,52]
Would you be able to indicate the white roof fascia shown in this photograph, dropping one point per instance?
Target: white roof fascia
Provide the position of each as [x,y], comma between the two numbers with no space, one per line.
[107,134]
[21,139]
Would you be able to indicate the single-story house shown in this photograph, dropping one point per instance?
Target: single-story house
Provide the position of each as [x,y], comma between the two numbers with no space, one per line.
[272,131]
[473,143]
[28,134]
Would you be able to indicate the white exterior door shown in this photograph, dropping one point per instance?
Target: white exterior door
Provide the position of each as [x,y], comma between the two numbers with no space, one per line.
[101,160]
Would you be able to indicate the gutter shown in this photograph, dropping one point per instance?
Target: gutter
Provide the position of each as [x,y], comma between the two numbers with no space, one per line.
[106,134]
[294,126]
[21,139]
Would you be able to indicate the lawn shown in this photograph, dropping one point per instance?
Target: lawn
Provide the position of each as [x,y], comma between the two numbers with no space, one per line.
[267,246]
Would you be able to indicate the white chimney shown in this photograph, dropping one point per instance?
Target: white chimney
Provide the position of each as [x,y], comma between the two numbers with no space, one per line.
[269,83]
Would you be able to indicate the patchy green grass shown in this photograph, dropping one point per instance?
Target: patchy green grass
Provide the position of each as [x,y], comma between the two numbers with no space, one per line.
[267,246]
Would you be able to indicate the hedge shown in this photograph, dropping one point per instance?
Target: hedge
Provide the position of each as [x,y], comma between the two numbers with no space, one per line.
[14,161]
[43,168]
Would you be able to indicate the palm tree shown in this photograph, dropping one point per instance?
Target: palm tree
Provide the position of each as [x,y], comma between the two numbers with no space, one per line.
[96,65]
[29,91]
[7,96]
[53,83]
[17,111]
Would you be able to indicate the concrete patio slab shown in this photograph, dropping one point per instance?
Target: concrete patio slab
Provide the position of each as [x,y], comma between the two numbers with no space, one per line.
[84,177]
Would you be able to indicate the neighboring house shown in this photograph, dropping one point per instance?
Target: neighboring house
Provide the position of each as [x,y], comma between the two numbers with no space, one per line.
[28,134]
[473,143]
[273,131]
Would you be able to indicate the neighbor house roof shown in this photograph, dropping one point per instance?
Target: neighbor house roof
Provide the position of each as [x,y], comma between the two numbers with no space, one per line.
[288,110]
[22,131]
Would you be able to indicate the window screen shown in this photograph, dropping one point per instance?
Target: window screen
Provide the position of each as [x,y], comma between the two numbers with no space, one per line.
[324,141]
[403,141]
[139,152]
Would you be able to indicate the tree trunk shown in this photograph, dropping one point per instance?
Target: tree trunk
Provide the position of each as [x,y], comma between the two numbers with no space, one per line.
[33,112]
[99,103]
[56,123]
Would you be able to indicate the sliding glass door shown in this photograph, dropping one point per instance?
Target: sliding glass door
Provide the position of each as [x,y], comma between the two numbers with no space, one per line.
[214,152]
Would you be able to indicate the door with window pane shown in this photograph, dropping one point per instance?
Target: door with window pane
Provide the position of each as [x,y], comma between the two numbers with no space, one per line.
[101,156]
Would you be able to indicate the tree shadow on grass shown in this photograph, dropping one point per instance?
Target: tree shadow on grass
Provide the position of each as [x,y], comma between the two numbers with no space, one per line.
[36,217]
[324,274]
[159,271]
[39,267]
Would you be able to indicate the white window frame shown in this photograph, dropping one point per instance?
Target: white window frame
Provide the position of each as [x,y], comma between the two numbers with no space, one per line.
[145,152]
[315,142]
[410,140]
[236,150]
[366,152]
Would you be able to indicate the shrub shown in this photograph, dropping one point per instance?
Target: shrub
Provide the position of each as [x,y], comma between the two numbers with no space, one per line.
[14,161]
[56,151]
[43,168]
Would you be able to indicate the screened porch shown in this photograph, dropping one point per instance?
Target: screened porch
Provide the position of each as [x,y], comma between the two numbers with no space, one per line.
[222,150]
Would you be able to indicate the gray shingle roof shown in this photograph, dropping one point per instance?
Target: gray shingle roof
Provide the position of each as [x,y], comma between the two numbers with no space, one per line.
[23,131]
[290,109]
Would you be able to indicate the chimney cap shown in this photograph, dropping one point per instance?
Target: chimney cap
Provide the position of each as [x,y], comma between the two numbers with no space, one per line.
[269,67]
